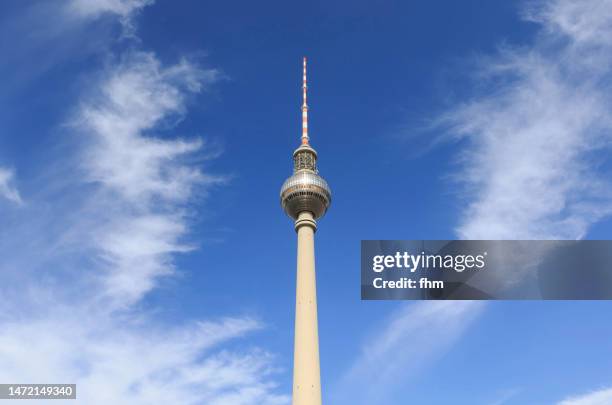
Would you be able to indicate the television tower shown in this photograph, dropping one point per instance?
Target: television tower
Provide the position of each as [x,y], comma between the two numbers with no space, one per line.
[305,197]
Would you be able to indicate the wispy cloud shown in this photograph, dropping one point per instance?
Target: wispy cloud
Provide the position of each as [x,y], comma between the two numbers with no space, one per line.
[537,136]
[96,8]
[133,362]
[414,336]
[602,397]
[125,10]
[142,180]
[533,165]
[102,232]
[76,321]
[7,186]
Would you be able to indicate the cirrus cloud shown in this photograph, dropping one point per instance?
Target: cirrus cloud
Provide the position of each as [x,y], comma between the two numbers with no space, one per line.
[106,222]
[7,186]
[601,397]
[538,134]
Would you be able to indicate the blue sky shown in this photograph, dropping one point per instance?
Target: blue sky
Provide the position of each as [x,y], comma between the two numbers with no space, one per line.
[145,254]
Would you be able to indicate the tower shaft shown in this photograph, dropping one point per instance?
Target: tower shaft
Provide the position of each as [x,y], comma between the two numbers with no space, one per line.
[306,366]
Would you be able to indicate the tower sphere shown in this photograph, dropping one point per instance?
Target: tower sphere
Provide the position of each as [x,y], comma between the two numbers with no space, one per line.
[305,191]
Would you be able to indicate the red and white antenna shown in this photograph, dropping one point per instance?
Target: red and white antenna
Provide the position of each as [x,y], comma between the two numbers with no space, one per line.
[305,138]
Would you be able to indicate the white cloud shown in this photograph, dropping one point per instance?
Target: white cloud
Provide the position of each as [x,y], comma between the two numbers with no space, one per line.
[7,187]
[124,361]
[135,96]
[124,9]
[580,22]
[602,397]
[80,11]
[535,139]
[537,136]
[143,180]
[102,232]
[412,337]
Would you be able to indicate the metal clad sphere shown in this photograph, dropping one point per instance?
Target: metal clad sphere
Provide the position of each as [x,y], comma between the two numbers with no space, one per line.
[305,191]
